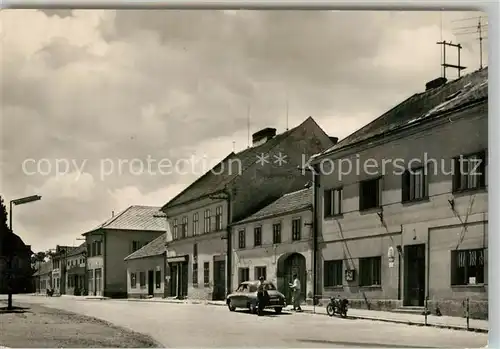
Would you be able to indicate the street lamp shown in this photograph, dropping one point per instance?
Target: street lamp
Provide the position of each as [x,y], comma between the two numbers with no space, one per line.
[16,202]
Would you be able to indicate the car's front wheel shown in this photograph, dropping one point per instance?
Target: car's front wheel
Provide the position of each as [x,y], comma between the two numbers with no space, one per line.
[230,306]
[278,310]
[253,308]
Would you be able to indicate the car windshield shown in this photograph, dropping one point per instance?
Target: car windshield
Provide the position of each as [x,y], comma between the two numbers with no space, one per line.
[243,288]
[268,286]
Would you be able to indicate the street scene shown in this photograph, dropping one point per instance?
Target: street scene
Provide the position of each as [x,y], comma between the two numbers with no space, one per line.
[244,178]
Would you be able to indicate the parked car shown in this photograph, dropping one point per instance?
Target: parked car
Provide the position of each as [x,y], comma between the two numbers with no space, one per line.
[246,297]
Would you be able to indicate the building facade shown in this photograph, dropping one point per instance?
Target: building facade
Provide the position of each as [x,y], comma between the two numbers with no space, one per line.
[43,276]
[407,225]
[76,266]
[276,242]
[115,239]
[199,242]
[59,269]
[146,270]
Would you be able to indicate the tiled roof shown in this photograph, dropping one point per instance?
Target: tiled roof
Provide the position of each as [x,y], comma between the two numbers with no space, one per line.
[421,107]
[77,250]
[291,202]
[45,268]
[136,218]
[214,181]
[154,248]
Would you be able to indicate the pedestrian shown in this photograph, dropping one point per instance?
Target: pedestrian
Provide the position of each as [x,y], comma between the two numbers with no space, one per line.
[295,286]
[261,296]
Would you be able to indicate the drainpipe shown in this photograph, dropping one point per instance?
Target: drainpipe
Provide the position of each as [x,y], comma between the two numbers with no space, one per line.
[229,238]
[103,281]
[317,186]
[428,271]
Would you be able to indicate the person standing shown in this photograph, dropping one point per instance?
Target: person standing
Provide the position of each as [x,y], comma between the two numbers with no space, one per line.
[295,286]
[261,296]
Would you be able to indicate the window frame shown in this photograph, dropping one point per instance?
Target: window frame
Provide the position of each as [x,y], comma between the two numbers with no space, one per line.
[206,274]
[184,227]
[362,203]
[458,178]
[257,242]
[277,236]
[207,218]
[218,218]
[242,238]
[408,187]
[243,274]
[329,195]
[297,235]
[194,276]
[362,275]
[260,270]
[466,277]
[331,274]
[175,231]
[157,279]
[196,224]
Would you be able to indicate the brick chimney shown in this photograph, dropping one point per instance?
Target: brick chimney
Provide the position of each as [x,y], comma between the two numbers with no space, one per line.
[262,136]
[435,83]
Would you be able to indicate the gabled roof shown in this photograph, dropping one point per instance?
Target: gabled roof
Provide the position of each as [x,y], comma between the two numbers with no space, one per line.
[291,202]
[45,268]
[214,181]
[154,248]
[136,218]
[77,250]
[421,107]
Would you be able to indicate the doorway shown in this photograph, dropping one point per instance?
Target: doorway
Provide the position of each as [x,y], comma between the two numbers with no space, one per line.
[414,293]
[289,265]
[173,280]
[219,292]
[151,282]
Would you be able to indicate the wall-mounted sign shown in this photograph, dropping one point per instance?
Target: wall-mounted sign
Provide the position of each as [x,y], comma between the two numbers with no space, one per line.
[349,274]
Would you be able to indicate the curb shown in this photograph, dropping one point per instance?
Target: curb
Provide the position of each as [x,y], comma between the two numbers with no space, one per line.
[352,317]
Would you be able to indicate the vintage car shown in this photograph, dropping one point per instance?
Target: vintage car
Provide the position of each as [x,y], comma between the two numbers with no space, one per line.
[246,297]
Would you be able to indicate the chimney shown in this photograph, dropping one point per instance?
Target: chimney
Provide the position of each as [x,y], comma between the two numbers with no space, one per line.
[262,136]
[334,140]
[112,214]
[435,83]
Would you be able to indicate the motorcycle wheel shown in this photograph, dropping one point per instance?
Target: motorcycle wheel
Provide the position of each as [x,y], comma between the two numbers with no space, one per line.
[330,310]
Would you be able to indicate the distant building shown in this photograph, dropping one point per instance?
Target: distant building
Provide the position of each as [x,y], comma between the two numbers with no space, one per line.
[43,277]
[199,242]
[21,272]
[276,243]
[59,269]
[76,266]
[146,270]
[410,221]
[109,243]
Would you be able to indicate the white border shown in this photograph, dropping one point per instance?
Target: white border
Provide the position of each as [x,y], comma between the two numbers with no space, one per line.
[491,7]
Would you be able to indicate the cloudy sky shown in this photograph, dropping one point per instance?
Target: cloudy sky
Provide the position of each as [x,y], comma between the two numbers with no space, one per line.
[93,88]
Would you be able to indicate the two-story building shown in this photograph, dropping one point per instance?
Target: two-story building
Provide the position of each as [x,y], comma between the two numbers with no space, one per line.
[200,243]
[405,205]
[43,276]
[109,243]
[76,266]
[275,243]
[58,258]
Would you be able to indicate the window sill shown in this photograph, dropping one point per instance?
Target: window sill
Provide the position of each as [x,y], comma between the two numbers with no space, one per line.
[195,285]
[370,210]
[469,286]
[412,202]
[372,287]
[464,192]
[206,285]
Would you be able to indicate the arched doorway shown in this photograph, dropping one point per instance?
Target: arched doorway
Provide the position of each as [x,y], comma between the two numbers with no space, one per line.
[288,265]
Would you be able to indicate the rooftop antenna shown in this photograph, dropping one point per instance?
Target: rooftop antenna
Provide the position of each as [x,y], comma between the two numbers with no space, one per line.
[248,126]
[445,65]
[480,29]
[443,73]
[479,26]
[287,111]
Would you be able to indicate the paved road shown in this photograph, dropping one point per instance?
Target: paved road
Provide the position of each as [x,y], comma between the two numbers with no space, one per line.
[192,325]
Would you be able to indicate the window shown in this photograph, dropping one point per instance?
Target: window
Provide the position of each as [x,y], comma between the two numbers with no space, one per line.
[98,248]
[206,273]
[414,186]
[218,218]
[195,252]
[195,274]
[136,245]
[277,233]
[158,278]
[196,224]
[184,227]
[369,194]
[333,202]
[332,273]
[174,230]
[133,280]
[241,239]
[296,229]
[467,267]
[257,236]
[260,271]
[370,271]
[206,221]
[469,172]
[142,279]
[94,253]
[243,275]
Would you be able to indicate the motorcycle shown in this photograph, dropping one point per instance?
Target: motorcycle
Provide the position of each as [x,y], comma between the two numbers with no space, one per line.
[337,306]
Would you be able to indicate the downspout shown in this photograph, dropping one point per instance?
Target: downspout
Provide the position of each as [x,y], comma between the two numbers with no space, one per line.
[428,267]
[104,264]
[229,238]
[317,186]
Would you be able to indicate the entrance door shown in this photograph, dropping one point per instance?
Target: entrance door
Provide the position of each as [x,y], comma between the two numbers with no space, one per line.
[173,280]
[151,282]
[184,280]
[414,257]
[98,282]
[219,292]
[294,264]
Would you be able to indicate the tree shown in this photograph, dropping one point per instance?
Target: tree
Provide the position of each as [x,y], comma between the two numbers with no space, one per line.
[5,250]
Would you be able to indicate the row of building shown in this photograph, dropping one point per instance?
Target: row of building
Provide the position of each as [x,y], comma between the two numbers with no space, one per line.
[394,216]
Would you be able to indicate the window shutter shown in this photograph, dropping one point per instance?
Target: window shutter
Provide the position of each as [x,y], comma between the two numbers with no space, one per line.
[405,186]
[453,264]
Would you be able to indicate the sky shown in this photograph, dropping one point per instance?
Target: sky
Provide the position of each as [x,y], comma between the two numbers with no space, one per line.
[94,101]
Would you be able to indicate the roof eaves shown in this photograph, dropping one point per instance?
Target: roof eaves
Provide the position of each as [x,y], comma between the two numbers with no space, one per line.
[108,222]
[253,219]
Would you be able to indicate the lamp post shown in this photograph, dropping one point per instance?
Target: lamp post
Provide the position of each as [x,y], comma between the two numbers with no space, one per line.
[15,202]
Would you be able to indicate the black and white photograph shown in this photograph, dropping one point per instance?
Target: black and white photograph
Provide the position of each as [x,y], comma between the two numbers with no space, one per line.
[244,178]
